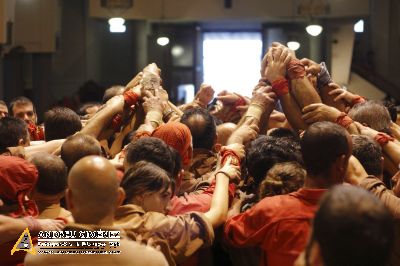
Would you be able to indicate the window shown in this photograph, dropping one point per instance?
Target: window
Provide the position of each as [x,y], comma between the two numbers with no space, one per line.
[231,60]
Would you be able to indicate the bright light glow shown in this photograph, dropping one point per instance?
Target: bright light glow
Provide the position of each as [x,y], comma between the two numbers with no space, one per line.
[163,41]
[293,45]
[359,26]
[117,25]
[117,28]
[177,50]
[314,30]
[232,61]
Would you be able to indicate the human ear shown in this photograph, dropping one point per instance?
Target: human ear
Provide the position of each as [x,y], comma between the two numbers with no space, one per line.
[121,196]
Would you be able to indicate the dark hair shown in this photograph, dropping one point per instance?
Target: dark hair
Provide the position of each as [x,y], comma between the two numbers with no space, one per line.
[112,91]
[281,132]
[353,227]
[82,111]
[3,103]
[177,162]
[144,177]
[12,129]
[391,107]
[281,179]
[202,127]
[372,113]
[321,144]
[264,152]
[52,171]
[78,146]
[60,123]
[369,153]
[21,100]
[152,150]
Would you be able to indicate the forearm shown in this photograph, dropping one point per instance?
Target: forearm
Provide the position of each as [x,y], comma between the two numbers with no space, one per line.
[235,209]
[219,203]
[11,228]
[49,147]
[355,172]
[395,129]
[329,99]
[392,150]
[292,112]
[303,91]
[102,119]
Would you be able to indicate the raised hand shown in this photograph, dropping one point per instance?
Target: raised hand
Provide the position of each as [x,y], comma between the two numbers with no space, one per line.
[277,61]
[205,94]
[311,66]
[342,94]
[153,102]
[244,134]
[317,112]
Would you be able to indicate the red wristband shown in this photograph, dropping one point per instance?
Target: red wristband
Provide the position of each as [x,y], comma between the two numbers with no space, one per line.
[344,120]
[280,86]
[130,98]
[116,122]
[227,153]
[383,138]
[295,69]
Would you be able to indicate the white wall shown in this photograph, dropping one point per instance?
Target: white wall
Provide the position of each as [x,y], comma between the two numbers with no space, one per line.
[362,87]
[342,51]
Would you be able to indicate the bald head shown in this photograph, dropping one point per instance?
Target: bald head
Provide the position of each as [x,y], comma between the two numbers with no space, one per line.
[202,127]
[93,190]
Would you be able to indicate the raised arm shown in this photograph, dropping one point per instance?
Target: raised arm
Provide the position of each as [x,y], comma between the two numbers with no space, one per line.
[324,83]
[274,71]
[230,170]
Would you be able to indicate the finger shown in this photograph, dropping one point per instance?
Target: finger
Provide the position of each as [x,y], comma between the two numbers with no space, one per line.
[312,118]
[139,239]
[222,93]
[287,59]
[277,44]
[278,53]
[305,61]
[335,91]
[249,121]
[271,95]
[242,107]
[255,128]
[148,93]
[334,85]
[150,242]
[156,92]
[269,57]
[264,64]
[284,54]
[311,107]
[340,96]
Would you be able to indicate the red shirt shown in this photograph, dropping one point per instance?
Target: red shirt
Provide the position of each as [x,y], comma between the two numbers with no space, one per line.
[196,202]
[280,225]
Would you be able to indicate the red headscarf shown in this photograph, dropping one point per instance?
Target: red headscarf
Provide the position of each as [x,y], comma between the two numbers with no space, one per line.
[17,178]
[178,136]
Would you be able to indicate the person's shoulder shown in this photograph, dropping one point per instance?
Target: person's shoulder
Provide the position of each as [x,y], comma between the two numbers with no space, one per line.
[140,254]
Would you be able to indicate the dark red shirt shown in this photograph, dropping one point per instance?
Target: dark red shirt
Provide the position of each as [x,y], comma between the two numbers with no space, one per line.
[279,225]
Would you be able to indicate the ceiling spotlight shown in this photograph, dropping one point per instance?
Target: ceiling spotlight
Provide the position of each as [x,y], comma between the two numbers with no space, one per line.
[162,41]
[359,26]
[117,24]
[293,45]
[314,29]
[177,50]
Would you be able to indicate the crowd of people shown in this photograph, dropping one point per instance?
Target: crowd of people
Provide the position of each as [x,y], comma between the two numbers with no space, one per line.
[302,173]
